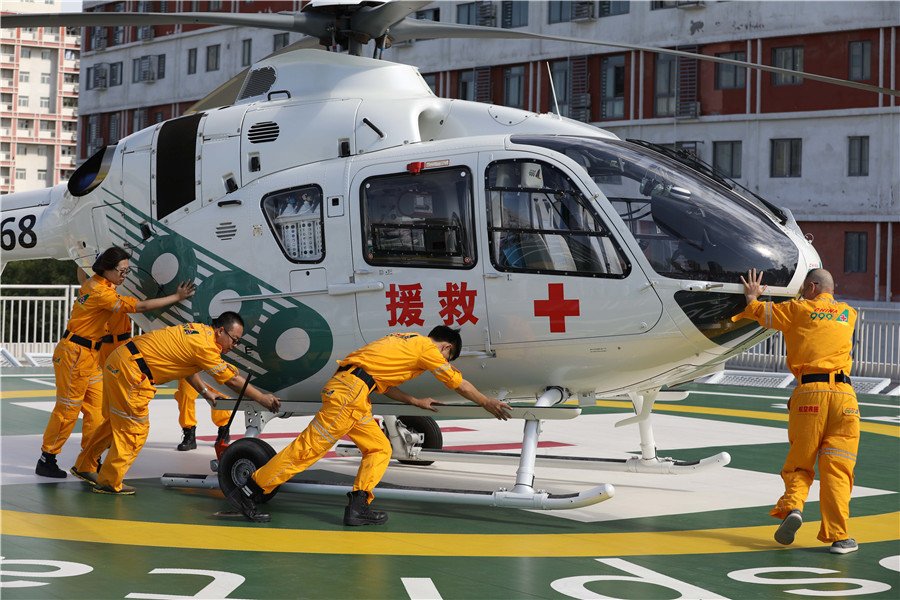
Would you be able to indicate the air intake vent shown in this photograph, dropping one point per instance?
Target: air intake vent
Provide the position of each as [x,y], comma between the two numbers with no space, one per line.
[267,131]
[258,82]
[226,231]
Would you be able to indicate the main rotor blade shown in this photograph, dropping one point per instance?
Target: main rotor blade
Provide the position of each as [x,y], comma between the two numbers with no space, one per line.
[311,24]
[374,21]
[410,29]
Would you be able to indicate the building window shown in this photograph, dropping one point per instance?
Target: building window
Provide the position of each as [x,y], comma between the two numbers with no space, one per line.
[23,101]
[42,150]
[246,52]
[22,149]
[467,14]
[192,61]
[45,102]
[24,76]
[859,156]
[730,77]
[664,89]
[45,77]
[25,53]
[514,14]
[21,174]
[612,80]
[115,74]
[660,4]
[45,54]
[212,57]
[514,86]
[560,11]
[139,119]
[614,7]
[466,85]
[429,14]
[215,5]
[727,158]
[860,60]
[855,249]
[559,73]
[42,174]
[113,128]
[24,124]
[280,40]
[786,155]
[431,80]
[787,58]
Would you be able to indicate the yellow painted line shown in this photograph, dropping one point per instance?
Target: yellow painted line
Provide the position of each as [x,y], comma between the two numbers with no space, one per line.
[52,394]
[249,538]
[879,428]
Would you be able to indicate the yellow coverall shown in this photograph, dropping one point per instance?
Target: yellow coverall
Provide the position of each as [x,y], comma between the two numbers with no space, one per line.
[346,409]
[118,331]
[171,353]
[186,397]
[824,416]
[76,361]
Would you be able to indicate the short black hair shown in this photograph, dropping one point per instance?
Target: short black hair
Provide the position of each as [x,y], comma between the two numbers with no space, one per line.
[442,333]
[109,259]
[228,320]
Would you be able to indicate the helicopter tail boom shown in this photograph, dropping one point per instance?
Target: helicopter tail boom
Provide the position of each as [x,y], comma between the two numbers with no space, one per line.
[29,230]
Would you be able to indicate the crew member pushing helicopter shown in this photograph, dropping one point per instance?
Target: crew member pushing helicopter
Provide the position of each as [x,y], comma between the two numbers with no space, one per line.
[346,409]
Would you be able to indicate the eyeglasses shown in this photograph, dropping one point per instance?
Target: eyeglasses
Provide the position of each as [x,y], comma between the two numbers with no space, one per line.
[234,340]
[123,272]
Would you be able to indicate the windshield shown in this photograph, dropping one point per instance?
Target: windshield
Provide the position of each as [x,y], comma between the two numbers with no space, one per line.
[688,227]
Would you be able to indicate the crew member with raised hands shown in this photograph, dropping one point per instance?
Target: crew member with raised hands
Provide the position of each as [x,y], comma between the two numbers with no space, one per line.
[347,410]
[130,378]
[77,355]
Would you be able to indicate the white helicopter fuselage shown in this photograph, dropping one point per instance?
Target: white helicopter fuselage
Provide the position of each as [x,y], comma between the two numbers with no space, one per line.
[339,200]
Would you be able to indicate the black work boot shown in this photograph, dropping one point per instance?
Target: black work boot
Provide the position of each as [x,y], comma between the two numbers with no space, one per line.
[190,439]
[359,513]
[47,467]
[224,435]
[244,499]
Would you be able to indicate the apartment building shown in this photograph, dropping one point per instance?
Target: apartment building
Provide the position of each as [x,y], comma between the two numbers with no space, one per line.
[39,74]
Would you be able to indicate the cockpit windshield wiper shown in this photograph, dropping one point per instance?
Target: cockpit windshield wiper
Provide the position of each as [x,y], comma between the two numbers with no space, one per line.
[691,160]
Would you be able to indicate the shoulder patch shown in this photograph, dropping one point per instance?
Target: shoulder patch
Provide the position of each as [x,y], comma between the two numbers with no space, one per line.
[844,316]
[188,330]
[83,299]
[851,411]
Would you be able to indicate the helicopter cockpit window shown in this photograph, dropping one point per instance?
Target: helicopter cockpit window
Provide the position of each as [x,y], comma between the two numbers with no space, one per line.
[422,219]
[688,226]
[540,222]
[295,217]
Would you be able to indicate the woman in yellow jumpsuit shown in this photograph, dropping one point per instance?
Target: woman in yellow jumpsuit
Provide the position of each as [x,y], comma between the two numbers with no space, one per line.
[823,425]
[346,410]
[76,359]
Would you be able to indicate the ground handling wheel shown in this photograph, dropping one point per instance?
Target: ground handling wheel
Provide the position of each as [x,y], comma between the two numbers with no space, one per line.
[240,460]
[432,434]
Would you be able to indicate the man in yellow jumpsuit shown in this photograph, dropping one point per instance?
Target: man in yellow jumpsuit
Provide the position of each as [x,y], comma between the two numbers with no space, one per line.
[346,409]
[186,397]
[824,415]
[76,357]
[129,380]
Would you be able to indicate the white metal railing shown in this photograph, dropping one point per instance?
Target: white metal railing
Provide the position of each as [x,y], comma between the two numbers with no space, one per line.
[876,347]
[31,323]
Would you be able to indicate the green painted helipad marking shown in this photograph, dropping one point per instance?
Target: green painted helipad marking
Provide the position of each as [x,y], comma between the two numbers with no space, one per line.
[875,528]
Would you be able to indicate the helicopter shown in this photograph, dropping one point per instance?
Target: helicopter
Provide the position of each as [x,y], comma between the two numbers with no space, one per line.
[331,199]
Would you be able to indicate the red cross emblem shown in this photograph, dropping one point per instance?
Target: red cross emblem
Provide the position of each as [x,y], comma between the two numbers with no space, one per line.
[556,307]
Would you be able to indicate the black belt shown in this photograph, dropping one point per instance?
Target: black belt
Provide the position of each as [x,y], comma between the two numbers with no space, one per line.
[139,359]
[109,338]
[360,373]
[825,378]
[82,341]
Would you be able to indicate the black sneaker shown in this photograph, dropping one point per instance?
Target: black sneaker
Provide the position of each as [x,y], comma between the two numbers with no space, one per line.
[785,532]
[844,546]
[47,467]
[242,498]
[126,490]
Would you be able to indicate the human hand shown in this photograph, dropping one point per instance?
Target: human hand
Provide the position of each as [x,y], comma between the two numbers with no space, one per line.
[185,290]
[497,408]
[753,287]
[427,403]
[270,402]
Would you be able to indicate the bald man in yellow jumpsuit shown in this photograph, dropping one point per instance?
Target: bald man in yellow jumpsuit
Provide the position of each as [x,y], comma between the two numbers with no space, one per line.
[824,415]
[346,410]
[129,383]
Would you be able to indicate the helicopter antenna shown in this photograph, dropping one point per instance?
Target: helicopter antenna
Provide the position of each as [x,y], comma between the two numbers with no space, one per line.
[553,90]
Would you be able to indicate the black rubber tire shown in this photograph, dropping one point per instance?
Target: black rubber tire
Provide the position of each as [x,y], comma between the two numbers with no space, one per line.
[433,438]
[240,460]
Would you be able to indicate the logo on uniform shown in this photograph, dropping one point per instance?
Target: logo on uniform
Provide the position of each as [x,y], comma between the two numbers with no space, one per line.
[844,317]
[851,411]
[83,299]
[808,409]
[190,331]
[112,369]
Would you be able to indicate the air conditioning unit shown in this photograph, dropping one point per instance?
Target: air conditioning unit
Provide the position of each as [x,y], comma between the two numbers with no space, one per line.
[146,33]
[149,65]
[583,11]
[690,4]
[100,77]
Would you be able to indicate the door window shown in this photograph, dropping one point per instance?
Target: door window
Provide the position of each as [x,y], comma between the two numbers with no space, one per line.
[295,217]
[540,222]
[422,219]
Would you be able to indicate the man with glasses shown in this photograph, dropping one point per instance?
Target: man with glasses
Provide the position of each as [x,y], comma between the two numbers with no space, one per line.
[130,378]
[823,424]
[346,410]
